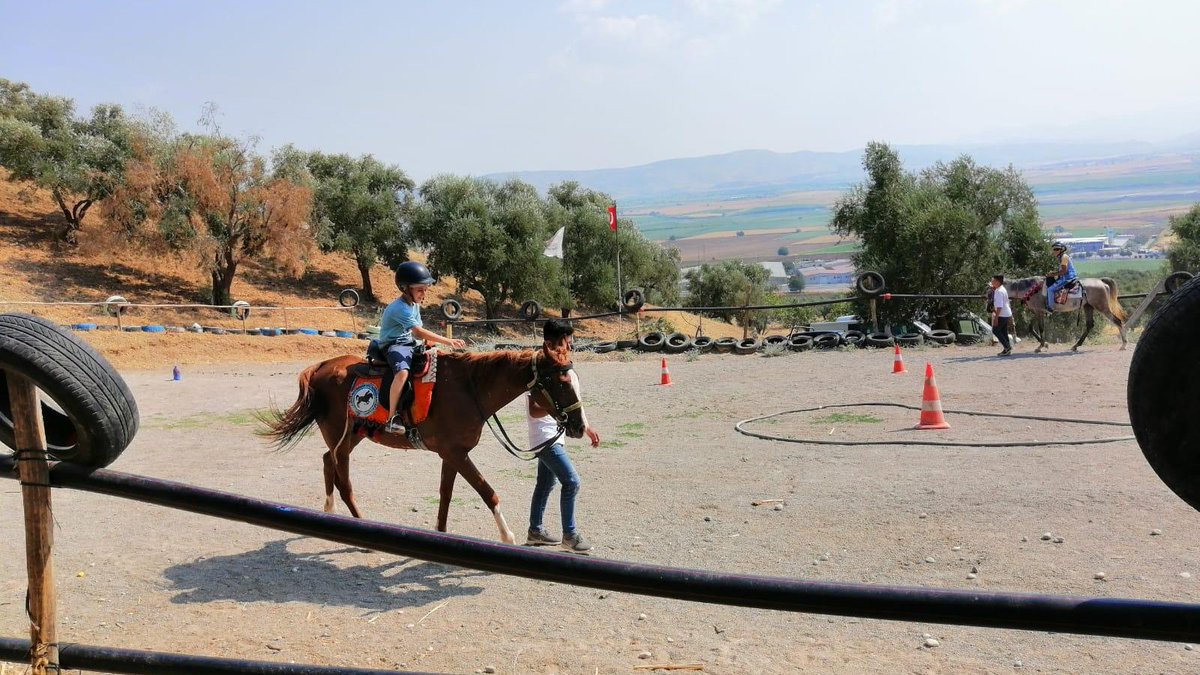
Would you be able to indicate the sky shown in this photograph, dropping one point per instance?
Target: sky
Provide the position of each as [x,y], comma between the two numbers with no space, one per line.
[475,87]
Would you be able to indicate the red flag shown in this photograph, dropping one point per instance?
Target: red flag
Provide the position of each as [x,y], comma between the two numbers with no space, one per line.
[612,217]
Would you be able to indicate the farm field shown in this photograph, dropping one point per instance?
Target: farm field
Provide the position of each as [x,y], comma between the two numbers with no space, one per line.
[1101,266]
[672,484]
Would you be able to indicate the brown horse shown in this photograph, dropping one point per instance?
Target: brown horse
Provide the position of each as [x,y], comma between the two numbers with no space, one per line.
[470,388]
[1098,294]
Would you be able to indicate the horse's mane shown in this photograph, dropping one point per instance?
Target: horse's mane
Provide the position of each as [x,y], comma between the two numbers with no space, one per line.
[1024,284]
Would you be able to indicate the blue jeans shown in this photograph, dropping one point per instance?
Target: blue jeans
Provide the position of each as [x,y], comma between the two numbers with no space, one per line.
[554,466]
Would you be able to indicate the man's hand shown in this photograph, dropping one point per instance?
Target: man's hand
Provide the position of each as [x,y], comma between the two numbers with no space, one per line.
[592,436]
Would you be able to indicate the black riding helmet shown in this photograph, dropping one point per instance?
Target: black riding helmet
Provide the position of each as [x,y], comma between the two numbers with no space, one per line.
[413,272]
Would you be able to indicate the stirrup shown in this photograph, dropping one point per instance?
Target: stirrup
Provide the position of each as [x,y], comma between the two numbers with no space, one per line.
[395,426]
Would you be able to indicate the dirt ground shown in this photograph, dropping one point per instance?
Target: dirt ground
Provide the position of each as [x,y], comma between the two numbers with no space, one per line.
[672,484]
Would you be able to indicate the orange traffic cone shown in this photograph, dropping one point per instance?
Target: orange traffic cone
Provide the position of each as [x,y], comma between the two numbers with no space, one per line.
[898,365]
[666,374]
[931,404]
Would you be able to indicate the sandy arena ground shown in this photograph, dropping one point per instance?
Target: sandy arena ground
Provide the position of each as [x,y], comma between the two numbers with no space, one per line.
[672,484]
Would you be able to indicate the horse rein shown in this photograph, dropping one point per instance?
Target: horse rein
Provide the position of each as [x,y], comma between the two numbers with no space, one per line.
[560,416]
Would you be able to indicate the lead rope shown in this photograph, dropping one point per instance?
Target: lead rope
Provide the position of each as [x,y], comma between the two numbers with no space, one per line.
[502,436]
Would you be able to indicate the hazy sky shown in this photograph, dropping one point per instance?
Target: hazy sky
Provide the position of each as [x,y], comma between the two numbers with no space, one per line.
[476,87]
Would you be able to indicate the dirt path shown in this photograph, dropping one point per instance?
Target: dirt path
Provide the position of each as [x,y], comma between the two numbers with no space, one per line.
[672,484]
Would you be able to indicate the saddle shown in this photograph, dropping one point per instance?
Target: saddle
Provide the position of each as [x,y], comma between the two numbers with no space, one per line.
[1073,290]
[367,403]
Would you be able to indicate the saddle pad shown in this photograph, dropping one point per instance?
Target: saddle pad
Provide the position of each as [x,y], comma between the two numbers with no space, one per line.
[423,388]
[366,404]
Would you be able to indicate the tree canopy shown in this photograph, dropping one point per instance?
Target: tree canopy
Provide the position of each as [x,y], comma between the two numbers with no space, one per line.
[728,284]
[946,230]
[357,208]
[80,161]
[1184,254]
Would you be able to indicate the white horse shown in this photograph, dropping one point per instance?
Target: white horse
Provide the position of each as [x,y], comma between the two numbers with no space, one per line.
[1098,294]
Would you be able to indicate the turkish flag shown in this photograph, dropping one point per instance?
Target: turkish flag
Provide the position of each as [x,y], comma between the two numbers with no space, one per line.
[612,217]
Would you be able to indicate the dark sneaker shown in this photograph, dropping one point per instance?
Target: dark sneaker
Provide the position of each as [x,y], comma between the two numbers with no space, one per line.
[540,537]
[576,543]
[1006,352]
[395,426]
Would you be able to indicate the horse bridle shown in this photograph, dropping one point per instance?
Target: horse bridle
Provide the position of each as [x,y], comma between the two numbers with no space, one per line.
[538,383]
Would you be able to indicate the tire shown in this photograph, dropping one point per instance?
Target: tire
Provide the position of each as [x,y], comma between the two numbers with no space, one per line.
[724,345]
[747,346]
[215,330]
[605,347]
[942,336]
[651,342]
[1176,281]
[452,310]
[910,340]
[309,331]
[968,339]
[132,329]
[84,326]
[869,284]
[879,340]
[633,300]
[253,331]
[827,341]
[531,310]
[153,329]
[115,305]
[101,416]
[627,344]
[240,310]
[702,344]
[800,343]
[343,334]
[775,341]
[855,338]
[1164,381]
[348,298]
[677,343]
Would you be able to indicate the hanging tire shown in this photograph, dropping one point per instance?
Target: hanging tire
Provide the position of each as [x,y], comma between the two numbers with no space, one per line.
[240,310]
[724,345]
[633,300]
[452,310]
[800,343]
[910,340]
[827,341]
[1164,383]
[348,298]
[869,284]
[605,347]
[101,417]
[879,340]
[942,336]
[651,342]
[677,343]
[855,338]
[531,310]
[747,346]
[702,344]
[115,305]
[1176,281]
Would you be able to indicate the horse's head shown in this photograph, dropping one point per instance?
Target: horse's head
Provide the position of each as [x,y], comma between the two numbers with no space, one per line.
[552,380]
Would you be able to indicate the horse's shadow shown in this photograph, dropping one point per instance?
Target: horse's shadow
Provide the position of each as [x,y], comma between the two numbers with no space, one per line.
[1015,356]
[274,573]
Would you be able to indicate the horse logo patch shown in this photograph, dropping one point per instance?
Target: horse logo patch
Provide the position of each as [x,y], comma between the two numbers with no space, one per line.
[364,399]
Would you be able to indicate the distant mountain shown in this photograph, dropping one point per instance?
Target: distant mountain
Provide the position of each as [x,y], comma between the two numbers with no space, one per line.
[764,172]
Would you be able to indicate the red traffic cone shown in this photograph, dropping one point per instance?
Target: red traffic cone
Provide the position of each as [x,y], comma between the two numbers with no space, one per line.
[898,364]
[931,404]
[666,374]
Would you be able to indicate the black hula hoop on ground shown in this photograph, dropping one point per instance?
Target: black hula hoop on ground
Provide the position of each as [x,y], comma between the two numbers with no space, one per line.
[943,444]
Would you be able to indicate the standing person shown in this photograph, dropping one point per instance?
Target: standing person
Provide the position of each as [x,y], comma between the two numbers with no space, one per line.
[1001,314]
[553,463]
[398,332]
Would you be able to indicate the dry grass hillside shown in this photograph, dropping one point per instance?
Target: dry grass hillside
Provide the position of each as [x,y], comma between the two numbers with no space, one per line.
[36,269]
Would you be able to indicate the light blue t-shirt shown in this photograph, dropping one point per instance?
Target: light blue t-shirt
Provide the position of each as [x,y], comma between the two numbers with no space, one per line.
[398,321]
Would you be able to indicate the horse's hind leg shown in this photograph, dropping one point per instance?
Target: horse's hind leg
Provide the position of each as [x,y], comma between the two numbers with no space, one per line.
[445,492]
[337,468]
[468,471]
[1087,329]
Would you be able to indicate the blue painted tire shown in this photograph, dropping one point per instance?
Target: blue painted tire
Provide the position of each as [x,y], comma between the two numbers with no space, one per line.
[153,329]
[309,331]
[343,333]
[84,326]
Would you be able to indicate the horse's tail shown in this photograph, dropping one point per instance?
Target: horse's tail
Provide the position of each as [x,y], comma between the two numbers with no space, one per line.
[286,429]
[1114,300]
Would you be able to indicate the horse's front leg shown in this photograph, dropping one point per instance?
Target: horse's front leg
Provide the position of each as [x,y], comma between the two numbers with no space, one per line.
[445,493]
[469,472]
[1040,331]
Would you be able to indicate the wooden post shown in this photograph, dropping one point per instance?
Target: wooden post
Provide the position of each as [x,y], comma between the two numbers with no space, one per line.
[874,316]
[39,522]
[450,329]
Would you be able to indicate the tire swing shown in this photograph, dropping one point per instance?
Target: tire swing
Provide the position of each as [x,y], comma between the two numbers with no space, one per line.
[94,416]
[1164,381]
